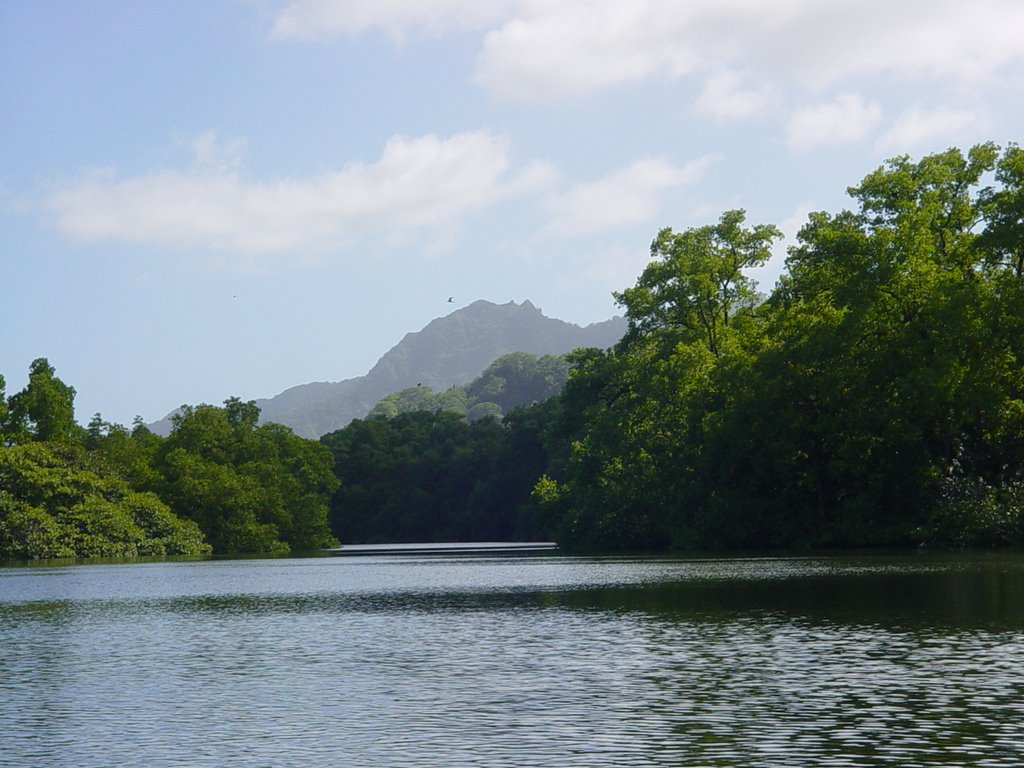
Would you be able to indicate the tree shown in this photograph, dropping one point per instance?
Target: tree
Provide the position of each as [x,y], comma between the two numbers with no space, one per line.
[3,411]
[1003,210]
[44,410]
[518,378]
[128,454]
[301,474]
[250,488]
[431,476]
[54,502]
[695,288]
[421,398]
[889,352]
[637,417]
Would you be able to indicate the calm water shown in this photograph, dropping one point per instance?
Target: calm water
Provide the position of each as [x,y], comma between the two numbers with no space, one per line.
[532,661]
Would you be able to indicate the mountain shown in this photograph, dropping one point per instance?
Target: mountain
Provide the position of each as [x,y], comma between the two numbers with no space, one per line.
[449,351]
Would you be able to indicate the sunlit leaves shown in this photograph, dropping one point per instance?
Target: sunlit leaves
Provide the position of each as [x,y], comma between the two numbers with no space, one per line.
[824,416]
[54,502]
[695,284]
[250,488]
[44,410]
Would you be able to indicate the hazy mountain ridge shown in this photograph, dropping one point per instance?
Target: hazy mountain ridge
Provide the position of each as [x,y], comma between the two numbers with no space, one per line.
[448,351]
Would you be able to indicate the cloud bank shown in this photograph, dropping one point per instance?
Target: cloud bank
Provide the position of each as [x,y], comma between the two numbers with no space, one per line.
[419,187]
[540,50]
[417,184]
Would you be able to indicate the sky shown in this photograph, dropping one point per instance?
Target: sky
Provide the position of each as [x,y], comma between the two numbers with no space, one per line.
[214,198]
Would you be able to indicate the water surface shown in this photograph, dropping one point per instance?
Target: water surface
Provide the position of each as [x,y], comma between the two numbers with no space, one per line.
[515,661]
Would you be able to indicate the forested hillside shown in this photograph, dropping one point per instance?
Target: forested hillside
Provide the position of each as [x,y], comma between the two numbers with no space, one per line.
[513,380]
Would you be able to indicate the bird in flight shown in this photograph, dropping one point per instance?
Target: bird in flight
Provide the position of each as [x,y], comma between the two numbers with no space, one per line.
[451,299]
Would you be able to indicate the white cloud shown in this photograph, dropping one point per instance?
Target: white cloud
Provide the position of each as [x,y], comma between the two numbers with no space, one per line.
[847,118]
[916,128]
[750,54]
[939,39]
[554,49]
[422,185]
[324,19]
[546,50]
[626,197]
[725,95]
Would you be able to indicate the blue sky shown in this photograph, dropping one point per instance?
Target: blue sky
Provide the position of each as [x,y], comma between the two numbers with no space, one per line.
[209,198]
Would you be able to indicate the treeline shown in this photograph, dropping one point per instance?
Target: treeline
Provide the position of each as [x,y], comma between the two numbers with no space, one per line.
[218,483]
[433,476]
[875,397]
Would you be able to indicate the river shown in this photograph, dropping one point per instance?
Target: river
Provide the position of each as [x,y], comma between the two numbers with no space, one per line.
[515,661]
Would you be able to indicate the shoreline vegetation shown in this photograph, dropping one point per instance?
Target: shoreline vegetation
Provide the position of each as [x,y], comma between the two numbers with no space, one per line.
[874,398]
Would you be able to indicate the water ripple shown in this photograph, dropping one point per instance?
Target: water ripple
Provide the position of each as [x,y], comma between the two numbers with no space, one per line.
[490,664]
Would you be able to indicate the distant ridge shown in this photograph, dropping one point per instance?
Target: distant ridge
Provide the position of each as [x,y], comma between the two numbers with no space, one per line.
[448,351]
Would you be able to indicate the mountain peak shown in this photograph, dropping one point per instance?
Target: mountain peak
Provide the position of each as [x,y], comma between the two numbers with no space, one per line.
[448,351]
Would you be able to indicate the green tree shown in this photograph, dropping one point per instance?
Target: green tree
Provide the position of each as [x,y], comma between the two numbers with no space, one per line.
[637,416]
[55,502]
[1003,209]
[225,505]
[695,288]
[3,411]
[518,379]
[431,476]
[890,351]
[421,398]
[892,307]
[128,454]
[44,410]
[301,473]
[250,488]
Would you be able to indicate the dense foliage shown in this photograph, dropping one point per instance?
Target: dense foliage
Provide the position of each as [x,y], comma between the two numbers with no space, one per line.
[56,501]
[250,488]
[217,482]
[431,476]
[876,396]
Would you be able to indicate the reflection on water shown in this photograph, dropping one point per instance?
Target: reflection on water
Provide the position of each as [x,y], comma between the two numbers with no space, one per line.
[515,662]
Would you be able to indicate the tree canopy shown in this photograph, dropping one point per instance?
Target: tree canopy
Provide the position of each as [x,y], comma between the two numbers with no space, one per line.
[431,476]
[882,374]
[56,501]
[217,482]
